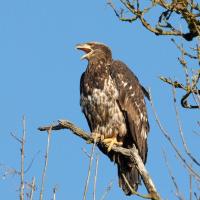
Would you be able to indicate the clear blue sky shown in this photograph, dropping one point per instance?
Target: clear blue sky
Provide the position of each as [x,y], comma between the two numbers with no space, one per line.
[40,73]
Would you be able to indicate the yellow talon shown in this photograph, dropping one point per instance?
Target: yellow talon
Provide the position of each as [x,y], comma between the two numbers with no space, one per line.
[96,136]
[110,142]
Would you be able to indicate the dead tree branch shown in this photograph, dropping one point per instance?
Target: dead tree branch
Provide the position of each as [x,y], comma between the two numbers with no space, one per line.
[89,171]
[22,158]
[188,10]
[46,163]
[32,188]
[191,80]
[183,140]
[54,192]
[176,84]
[95,177]
[172,143]
[132,154]
[177,193]
[107,190]
[189,90]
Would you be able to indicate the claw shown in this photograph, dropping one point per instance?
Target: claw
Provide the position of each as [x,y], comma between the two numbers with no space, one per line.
[102,137]
[110,142]
[96,136]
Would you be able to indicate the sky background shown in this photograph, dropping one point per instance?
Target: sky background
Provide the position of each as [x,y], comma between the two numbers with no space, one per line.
[40,73]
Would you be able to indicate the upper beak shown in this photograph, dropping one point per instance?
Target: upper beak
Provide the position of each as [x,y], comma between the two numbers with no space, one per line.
[84,47]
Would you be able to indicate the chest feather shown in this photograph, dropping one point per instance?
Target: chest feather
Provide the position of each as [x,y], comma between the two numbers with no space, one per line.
[102,109]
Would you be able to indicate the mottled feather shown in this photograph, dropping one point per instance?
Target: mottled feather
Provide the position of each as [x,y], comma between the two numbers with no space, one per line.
[112,100]
[132,103]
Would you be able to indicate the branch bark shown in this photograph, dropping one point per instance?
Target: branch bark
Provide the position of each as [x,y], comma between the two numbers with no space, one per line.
[45,163]
[184,9]
[132,154]
[189,90]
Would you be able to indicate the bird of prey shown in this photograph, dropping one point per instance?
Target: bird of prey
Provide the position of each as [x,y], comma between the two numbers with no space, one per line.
[113,103]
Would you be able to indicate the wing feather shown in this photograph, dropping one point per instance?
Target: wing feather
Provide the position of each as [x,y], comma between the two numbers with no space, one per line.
[132,103]
[82,94]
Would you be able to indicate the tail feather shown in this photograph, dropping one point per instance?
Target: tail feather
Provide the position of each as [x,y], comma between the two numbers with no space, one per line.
[124,168]
[128,174]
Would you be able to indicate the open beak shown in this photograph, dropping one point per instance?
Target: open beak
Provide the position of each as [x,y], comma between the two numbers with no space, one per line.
[86,48]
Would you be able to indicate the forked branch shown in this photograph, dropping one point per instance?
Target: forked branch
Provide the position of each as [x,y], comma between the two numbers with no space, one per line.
[132,154]
[164,24]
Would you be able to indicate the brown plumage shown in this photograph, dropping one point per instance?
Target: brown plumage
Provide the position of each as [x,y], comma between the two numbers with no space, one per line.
[112,100]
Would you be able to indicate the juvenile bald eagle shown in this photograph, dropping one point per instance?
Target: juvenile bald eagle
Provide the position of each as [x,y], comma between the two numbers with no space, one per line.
[112,100]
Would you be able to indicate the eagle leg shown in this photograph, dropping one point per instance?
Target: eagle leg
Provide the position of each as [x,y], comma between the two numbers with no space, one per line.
[97,136]
[110,142]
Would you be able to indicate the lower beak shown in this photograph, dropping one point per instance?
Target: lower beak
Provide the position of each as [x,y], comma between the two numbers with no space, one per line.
[84,47]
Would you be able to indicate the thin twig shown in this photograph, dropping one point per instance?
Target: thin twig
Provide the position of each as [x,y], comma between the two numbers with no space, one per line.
[132,153]
[22,158]
[169,139]
[32,188]
[46,163]
[8,171]
[176,84]
[164,25]
[108,188]
[189,90]
[31,163]
[195,132]
[85,152]
[95,177]
[89,171]
[190,176]
[16,138]
[185,53]
[65,124]
[178,193]
[184,101]
[54,192]
[196,196]
[148,196]
[195,81]
[181,130]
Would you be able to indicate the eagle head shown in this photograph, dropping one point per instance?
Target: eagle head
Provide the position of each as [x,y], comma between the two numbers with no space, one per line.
[95,50]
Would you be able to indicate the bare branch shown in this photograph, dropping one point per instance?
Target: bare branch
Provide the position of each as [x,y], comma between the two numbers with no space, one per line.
[54,192]
[8,171]
[107,191]
[16,138]
[89,171]
[22,158]
[64,124]
[184,101]
[178,193]
[46,163]
[86,153]
[148,196]
[169,139]
[181,131]
[32,188]
[183,9]
[196,196]
[132,154]
[190,176]
[31,163]
[189,90]
[176,84]
[181,49]
[95,177]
